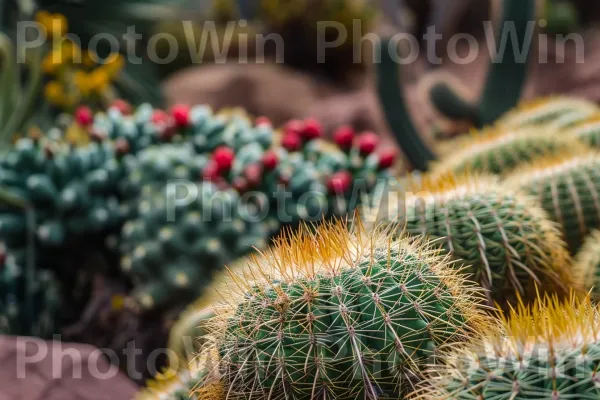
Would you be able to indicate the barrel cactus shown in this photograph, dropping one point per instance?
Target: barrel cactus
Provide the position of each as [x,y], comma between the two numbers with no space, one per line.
[29,300]
[568,188]
[549,110]
[587,131]
[355,314]
[587,263]
[546,351]
[503,235]
[499,150]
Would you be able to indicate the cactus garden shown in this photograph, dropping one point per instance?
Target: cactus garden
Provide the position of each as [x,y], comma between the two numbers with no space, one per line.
[207,216]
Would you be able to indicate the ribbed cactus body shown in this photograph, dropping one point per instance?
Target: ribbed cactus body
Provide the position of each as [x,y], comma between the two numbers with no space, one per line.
[553,111]
[352,315]
[550,351]
[569,190]
[587,263]
[499,151]
[29,305]
[504,237]
[587,131]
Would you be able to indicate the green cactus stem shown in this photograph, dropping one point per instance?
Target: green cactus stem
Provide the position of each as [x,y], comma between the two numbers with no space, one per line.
[568,188]
[352,312]
[507,74]
[412,143]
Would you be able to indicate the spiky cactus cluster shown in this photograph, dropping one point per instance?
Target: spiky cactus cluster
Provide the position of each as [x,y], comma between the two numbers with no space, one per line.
[568,188]
[499,151]
[547,351]
[172,257]
[71,190]
[29,300]
[503,235]
[352,313]
[587,131]
[557,112]
[587,263]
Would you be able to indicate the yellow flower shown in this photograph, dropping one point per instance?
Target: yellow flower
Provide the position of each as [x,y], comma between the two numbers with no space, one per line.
[82,82]
[55,24]
[70,51]
[99,80]
[89,57]
[114,65]
[54,93]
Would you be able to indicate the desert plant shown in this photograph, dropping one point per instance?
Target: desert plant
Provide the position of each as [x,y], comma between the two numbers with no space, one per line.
[502,235]
[352,313]
[546,110]
[587,263]
[501,150]
[546,351]
[568,188]
[588,131]
[505,79]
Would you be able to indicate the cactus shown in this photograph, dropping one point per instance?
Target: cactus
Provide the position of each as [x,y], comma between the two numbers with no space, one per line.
[568,188]
[392,99]
[505,80]
[500,151]
[353,312]
[70,189]
[546,351]
[587,263]
[546,111]
[172,257]
[29,305]
[504,237]
[184,384]
[587,131]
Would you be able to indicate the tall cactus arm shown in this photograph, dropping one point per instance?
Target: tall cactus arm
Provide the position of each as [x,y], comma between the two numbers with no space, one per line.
[507,73]
[396,111]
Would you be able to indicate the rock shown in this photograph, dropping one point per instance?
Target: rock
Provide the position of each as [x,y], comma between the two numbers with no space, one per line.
[33,369]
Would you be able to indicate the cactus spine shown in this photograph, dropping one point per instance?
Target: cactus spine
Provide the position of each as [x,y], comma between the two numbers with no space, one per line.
[546,351]
[587,263]
[352,311]
[499,151]
[546,111]
[587,131]
[504,237]
[568,189]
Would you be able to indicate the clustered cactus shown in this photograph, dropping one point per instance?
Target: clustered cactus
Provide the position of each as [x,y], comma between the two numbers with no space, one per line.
[113,177]
[501,234]
[338,313]
[29,300]
[568,188]
[546,351]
